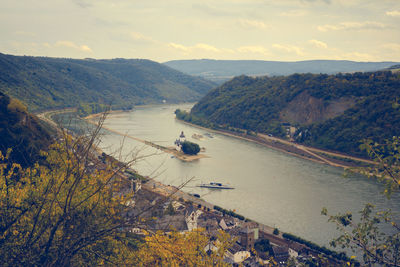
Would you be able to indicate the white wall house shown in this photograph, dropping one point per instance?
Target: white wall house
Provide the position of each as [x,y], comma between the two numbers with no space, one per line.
[191,219]
[236,254]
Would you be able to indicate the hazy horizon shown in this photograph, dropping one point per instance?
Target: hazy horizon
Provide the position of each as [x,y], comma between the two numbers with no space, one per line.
[159,30]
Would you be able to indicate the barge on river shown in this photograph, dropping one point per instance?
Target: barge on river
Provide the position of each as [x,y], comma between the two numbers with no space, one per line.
[213,185]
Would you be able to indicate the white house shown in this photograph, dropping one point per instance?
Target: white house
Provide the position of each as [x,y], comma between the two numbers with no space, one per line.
[191,218]
[236,254]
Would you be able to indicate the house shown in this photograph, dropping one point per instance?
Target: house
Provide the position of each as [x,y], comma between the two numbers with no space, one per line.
[255,262]
[175,204]
[135,186]
[191,216]
[281,253]
[293,253]
[223,225]
[227,223]
[209,223]
[210,248]
[236,254]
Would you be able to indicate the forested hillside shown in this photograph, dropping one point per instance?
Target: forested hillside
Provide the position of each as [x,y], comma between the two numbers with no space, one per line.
[43,83]
[20,131]
[330,111]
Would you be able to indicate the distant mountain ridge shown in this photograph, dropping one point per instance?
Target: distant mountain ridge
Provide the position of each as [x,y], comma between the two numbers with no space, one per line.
[222,70]
[43,82]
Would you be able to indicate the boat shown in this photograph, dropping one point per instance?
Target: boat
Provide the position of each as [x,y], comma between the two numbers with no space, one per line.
[209,135]
[197,136]
[216,186]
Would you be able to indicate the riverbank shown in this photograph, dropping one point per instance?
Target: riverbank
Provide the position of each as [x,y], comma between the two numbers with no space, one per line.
[321,156]
[309,153]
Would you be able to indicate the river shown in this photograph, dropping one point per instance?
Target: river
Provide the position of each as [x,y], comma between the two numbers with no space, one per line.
[271,187]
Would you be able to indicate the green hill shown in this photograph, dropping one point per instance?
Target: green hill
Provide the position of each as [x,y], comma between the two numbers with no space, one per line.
[43,83]
[330,111]
[21,131]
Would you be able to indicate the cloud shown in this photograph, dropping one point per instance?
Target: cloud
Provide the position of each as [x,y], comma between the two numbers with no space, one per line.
[357,56]
[69,44]
[293,13]
[318,44]
[366,25]
[253,24]
[254,49]
[82,3]
[289,49]
[137,36]
[394,13]
[212,10]
[312,1]
[207,47]
[85,48]
[392,46]
[199,46]
[179,47]
[25,34]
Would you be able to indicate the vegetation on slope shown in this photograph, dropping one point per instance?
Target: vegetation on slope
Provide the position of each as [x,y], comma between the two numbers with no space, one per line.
[43,83]
[261,104]
[21,131]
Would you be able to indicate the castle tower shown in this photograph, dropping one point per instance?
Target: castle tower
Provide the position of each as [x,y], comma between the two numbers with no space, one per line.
[182,137]
[178,142]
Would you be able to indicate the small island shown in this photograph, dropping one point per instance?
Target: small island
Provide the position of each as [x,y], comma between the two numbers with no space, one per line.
[175,151]
[186,150]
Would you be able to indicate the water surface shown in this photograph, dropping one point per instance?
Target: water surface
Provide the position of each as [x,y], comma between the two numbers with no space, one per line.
[271,187]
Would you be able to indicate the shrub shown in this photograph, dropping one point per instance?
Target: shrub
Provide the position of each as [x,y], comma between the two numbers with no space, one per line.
[190,148]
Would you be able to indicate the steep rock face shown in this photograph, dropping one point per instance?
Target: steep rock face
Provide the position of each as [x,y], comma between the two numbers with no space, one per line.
[305,109]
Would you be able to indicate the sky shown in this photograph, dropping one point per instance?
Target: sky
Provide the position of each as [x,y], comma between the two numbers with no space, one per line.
[163,30]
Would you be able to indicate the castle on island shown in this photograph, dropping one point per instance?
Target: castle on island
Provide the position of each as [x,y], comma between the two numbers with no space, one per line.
[178,142]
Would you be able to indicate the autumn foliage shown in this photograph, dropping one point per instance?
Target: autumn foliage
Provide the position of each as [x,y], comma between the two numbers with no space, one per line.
[72,209]
[184,249]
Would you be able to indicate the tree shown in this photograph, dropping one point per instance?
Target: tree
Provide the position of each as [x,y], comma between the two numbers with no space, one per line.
[190,148]
[64,212]
[193,248]
[71,210]
[276,231]
[377,247]
[263,245]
